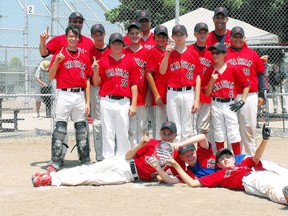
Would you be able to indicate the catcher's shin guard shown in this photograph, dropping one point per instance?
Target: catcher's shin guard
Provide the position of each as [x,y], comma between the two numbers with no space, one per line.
[82,142]
[57,143]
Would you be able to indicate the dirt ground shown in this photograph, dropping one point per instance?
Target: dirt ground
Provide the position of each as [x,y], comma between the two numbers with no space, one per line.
[22,157]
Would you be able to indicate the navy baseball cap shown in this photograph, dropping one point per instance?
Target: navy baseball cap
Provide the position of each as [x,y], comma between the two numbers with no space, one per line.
[221,152]
[169,125]
[237,30]
[200,26]
[160,29]
[116,37]
[97,27]
[142,14]
[218,46]
[221,10]
[190,147]
[179,28]
[76,15]
[134,25]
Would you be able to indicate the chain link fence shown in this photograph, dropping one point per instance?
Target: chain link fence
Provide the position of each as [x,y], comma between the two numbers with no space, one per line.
[21,22]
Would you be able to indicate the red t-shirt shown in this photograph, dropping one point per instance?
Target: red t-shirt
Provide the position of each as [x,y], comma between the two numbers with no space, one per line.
[231,177]
[117,77]
[57,42]
[145,171]
[212,39]
[140,58]
[205,58]
[153,62]
[225,85]
[183,68]
[248,61]
[73,71]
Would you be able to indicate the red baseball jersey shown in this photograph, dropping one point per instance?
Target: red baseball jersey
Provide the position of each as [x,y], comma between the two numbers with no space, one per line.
[98,53]
[183,68]
[145,171]
[117,77]
[225,85]
[212,39]
[153,62]
[140,58]
[57,42]
[248,61]
[231,177]
[149,43]
[205,58]
[73,71]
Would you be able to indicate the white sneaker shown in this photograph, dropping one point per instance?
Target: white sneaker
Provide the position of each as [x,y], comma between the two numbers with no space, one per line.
[36,115]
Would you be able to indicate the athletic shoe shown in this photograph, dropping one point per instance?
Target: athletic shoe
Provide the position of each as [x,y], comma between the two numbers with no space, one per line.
[51,169]
[285,192]
[37,174]
[36,115]
[44,180]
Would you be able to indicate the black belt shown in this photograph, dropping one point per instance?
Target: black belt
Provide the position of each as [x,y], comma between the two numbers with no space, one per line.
[73,89]
[223,100]
[134,170]
[248,174]
[181,89]
[116,97]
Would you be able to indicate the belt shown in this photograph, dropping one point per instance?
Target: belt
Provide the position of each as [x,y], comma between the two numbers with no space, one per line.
[73,89]
[223,100]
[248,174]
[114,97]
[134,170]
[181,89]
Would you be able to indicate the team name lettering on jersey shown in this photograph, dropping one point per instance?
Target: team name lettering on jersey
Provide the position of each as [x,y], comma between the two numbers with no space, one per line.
[204,61]
[75,64]
[223,84]
[240,61]
[141,64]
[184,64]
[117,72]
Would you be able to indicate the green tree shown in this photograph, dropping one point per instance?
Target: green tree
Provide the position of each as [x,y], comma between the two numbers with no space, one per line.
[15,64]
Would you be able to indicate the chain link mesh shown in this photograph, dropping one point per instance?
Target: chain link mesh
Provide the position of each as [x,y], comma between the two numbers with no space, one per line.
[265,25]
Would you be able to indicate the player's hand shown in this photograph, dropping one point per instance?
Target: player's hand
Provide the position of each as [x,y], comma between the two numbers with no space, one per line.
[171,162]
[236,106]
[264,59]
[175,146]
[132,111]
[145,139]
[153,162]
[195,107]
[87,109]
[266,132]
[44,35]
[159,101]
[260,101]
[214,76]
[169,49]
[95,65]
[60,57]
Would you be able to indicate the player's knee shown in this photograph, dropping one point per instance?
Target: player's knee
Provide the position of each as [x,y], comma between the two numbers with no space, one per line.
[81,131]
[60,130]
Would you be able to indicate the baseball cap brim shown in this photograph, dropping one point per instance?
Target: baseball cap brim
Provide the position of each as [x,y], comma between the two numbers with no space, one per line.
[221,152]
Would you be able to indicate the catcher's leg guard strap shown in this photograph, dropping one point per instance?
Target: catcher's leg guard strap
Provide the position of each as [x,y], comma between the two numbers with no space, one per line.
[57,142]
[82,142]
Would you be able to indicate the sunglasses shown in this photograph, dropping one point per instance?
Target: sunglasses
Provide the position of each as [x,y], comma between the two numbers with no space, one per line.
[77,21]
[217,52]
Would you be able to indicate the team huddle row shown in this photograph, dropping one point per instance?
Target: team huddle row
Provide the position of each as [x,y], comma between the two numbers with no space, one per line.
[217,80]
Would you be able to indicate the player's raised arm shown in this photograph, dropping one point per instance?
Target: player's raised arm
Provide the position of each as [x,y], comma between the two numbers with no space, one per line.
[53,70]
[164,62]
[199,138]
[95,68]
[132,152]
[214,77]
[259,152]
[42,45]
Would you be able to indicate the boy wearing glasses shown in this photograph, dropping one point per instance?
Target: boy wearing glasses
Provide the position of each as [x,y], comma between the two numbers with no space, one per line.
[57,42]
[221,80]
[183,70]
[249,63]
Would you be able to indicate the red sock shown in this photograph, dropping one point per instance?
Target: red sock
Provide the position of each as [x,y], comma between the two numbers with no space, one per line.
[219,145]
[236,148]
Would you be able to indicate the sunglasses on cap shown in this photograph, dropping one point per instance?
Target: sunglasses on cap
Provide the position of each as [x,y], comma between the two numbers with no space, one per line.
[216,52]
[77,21]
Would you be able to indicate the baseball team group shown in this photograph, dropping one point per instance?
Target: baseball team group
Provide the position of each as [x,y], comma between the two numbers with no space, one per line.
[187,94]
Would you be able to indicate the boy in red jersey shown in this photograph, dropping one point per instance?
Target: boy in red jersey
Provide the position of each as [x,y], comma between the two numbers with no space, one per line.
[118,76]
[138,124]
[116,170]
[156,81]
[183,70]
[71,68]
